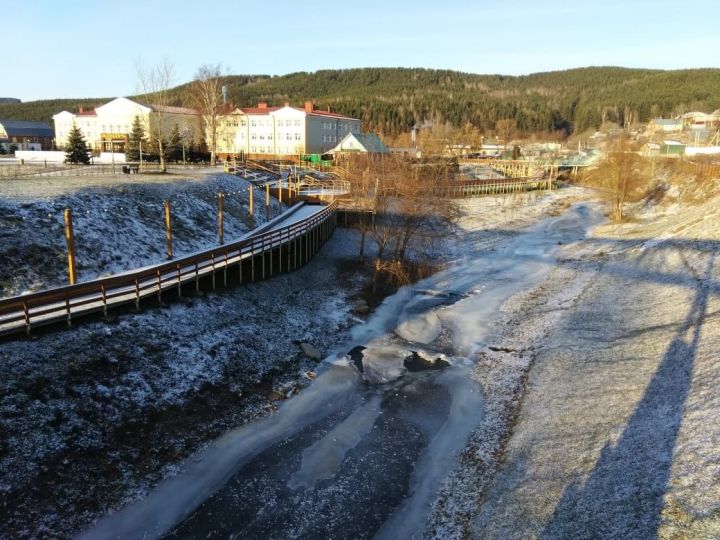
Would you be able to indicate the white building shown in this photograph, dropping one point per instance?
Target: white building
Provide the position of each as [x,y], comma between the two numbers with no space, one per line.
[285,131]
[106,128]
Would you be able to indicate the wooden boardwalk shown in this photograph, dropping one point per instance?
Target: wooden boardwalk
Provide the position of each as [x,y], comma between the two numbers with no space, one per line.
[281,245]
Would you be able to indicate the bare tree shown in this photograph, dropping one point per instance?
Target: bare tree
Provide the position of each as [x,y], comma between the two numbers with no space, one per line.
[155,84]
[506,129]
[411,209]
[206,94]
[622,176]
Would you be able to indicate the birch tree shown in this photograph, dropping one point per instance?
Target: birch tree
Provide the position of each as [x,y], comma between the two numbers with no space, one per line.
[155,84]
[206,96]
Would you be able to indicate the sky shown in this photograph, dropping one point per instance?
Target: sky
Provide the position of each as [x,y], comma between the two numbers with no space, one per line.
[90,49]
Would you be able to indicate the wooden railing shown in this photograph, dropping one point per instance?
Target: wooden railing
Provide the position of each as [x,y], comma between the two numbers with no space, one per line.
[64,303]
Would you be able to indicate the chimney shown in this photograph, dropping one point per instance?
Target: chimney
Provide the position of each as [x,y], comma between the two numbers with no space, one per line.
[81,110]
[287,104]
[309,107]
[262,105]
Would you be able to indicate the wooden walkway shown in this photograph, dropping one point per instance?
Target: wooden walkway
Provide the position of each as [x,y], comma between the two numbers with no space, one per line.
[281,245]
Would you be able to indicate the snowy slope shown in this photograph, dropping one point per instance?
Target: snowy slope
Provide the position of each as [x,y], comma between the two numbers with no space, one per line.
[118,225]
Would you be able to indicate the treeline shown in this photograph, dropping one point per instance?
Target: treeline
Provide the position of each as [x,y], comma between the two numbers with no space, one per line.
[393,100]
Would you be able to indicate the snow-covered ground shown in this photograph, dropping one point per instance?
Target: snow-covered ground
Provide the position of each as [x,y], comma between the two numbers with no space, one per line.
[96,416]
[602,393]
[119,223]
[598,413]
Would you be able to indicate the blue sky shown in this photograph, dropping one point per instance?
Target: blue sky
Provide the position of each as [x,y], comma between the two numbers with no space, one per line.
[89,49]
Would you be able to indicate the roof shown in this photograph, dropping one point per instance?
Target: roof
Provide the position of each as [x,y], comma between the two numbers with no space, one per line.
[173,110]
[328,114]
[21,128]
[259,110]
[665,121]
[268,110]
[369,141]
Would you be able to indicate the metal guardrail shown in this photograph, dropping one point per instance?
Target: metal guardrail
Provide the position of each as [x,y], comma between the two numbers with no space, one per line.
[64,303]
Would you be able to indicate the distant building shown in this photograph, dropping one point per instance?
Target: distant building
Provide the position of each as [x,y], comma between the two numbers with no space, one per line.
[25,135]
[672,148]
[107,128]
[284,132]
[665,125]
[367,143]
[701,120]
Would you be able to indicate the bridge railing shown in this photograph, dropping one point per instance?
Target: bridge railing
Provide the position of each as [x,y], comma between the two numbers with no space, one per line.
[60,303]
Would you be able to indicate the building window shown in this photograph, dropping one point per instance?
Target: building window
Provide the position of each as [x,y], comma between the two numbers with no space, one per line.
[253,136]
[297,123]
[253,123]
[297,136]
[269,136]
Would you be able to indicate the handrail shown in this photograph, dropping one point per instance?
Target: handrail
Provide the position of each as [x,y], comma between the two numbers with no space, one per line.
[53,304]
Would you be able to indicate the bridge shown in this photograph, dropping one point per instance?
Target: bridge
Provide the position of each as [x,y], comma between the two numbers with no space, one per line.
[280,245]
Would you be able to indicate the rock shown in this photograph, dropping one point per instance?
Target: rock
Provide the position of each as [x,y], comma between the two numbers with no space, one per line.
[310,375]
[310,351]
[361,307]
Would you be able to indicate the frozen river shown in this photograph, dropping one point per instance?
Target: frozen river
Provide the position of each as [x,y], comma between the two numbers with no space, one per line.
[362,451]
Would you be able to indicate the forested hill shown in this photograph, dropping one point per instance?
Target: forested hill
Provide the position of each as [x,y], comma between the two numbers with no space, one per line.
[392,100]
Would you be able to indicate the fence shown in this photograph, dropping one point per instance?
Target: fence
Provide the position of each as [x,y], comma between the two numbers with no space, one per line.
[253,257]
[30,170]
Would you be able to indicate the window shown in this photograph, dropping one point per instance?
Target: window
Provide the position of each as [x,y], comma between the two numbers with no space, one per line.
[297,123]
[270,137]
[243,123]
[253,136]
[288,136]
[262,137]
[253,123]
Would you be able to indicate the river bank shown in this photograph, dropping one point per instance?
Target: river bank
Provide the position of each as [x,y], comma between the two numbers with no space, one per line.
[605,379]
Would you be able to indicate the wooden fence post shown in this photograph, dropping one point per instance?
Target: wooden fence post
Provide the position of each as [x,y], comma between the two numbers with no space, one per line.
[70,241]
[267,201]
[220,197]
[252,214]
[168,229]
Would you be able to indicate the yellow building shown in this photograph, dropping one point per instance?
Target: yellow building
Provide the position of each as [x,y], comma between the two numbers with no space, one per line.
[285,131]
[107,128]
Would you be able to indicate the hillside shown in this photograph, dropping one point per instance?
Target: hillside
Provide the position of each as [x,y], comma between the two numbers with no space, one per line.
[392,100]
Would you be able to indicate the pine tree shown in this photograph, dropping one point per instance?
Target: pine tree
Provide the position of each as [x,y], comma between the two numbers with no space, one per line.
[136,141]
[77,151]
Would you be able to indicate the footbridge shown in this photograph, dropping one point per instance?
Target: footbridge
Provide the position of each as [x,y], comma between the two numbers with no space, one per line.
[281,245]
